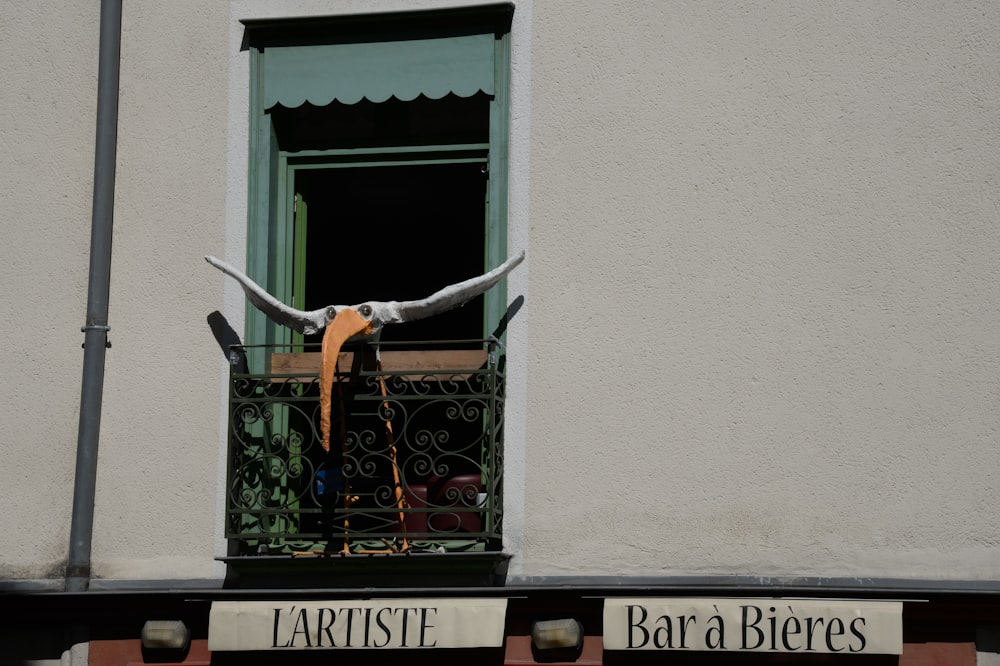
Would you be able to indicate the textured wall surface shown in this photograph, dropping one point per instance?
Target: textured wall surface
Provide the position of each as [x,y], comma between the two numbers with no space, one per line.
[157,482]
[764,289]
[47,125]
[155,509]
[761,331]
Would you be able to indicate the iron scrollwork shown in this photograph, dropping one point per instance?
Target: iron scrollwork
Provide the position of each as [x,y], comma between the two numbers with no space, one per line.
[418,456]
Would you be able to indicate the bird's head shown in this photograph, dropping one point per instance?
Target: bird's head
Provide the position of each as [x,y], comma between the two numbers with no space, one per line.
[368,318]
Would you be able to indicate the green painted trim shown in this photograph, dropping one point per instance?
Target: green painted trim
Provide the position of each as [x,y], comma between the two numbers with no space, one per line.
[496,222]
[388,150]
[301,224]
[394,156]
[261,179]
[282,245]
[387,163]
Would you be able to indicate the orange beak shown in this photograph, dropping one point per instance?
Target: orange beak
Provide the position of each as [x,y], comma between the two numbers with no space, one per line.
[346,324]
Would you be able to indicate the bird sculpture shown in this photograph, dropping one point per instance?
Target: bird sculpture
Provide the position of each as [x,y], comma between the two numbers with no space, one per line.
[364,320]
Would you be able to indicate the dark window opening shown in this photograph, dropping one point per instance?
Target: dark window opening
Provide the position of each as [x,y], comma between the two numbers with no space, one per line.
[396,233]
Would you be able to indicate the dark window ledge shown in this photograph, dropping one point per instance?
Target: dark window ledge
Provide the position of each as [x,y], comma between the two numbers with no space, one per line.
[478,569]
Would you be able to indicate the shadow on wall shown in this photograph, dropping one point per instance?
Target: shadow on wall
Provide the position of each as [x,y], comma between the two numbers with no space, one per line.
[227,337]
[512,310]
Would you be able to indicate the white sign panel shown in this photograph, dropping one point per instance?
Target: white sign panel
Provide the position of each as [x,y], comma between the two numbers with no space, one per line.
[807,626]
[347,624]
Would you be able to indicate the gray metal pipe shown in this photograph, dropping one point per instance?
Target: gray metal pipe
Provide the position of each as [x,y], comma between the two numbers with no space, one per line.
[95,330]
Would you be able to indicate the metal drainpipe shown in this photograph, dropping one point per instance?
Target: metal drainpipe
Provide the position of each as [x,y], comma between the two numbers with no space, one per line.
[96,329]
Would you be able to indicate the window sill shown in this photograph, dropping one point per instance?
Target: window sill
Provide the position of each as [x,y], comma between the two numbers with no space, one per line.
[470,569]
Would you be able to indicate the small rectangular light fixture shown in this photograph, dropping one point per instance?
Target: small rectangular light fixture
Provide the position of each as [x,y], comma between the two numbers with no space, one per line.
[557,634]
[165,635]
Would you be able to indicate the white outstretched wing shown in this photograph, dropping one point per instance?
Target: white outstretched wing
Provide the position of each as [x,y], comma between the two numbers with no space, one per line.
[298,320]
[453,295]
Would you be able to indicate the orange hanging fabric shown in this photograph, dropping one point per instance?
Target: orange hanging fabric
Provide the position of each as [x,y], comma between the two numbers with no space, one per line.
[397,484]
[346,324]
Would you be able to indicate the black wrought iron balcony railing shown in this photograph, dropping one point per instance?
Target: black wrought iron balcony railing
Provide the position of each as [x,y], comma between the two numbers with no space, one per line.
[415,458]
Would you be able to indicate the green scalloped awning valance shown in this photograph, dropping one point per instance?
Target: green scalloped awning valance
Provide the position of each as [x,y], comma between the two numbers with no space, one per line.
[376,71]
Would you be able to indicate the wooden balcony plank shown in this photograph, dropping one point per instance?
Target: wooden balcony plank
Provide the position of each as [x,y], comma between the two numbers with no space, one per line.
[429,361]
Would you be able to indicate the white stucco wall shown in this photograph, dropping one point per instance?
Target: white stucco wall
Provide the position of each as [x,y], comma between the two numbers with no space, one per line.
[47,126]
[154,515]
[760,329]
[764,290]
[158,475]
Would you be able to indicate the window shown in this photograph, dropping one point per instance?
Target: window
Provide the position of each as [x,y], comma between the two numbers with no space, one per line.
[388,134]
[378,166]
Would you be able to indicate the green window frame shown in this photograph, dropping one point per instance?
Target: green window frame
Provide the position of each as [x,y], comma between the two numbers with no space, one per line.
[349,58]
